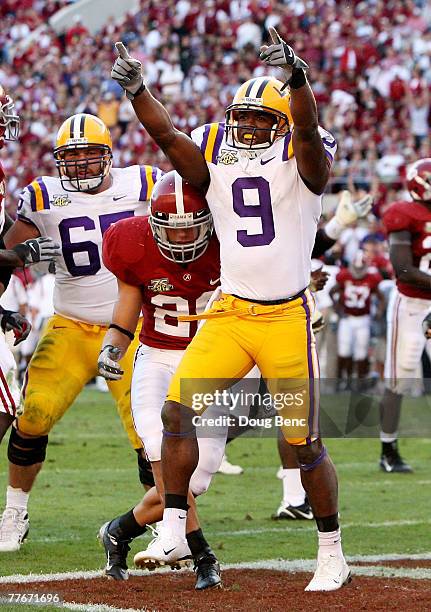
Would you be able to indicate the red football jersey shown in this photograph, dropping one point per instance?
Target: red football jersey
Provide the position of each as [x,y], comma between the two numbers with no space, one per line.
[355,293]
[2,196]
[415,218]
[168,289]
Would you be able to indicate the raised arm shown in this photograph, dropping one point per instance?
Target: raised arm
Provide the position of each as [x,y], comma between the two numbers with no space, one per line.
[310,156]
[183,153]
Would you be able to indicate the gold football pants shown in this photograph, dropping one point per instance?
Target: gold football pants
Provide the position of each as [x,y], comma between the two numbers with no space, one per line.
[64,361]
[277,338]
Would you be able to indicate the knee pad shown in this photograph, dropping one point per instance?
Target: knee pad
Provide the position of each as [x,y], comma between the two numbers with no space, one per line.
[26,451]
[145,471]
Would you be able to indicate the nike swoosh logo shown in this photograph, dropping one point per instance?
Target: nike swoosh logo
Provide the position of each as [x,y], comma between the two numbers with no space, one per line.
[169,551]
[213,282]
[183,518]
[115,198]
[266,161]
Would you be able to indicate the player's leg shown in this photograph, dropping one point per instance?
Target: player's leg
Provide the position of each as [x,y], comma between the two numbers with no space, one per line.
[213,358]
[9,390]
[405,344]
[151,376]
[361,344]
[57,372]
[288,362]
[294,504]
[344,352]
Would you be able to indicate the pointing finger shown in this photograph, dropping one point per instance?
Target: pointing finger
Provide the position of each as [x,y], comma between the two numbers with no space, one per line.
[121,50]
[274,35]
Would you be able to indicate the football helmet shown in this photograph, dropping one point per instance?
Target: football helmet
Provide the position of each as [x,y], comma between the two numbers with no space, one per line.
[77,133]
[262,94]
[358,266]
[418,177]
[176,205]
[9,120]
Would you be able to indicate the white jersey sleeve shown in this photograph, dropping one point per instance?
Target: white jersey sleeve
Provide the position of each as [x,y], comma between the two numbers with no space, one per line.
[85,290]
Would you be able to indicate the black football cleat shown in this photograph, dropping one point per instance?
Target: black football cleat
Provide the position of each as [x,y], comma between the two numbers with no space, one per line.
[391,460]
[300,513]
[116,554]
[207,571]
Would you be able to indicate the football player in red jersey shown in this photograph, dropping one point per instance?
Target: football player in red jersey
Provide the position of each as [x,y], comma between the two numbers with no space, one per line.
[166,265]
[408,225]
[352,298]
[25,253]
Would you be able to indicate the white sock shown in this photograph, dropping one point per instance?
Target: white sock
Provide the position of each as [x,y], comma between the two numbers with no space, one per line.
[330,542]
[174,521]
[16,498]
[293,491]
[388,437]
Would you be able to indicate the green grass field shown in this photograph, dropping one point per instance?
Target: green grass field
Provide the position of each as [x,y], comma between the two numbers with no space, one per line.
[90,476]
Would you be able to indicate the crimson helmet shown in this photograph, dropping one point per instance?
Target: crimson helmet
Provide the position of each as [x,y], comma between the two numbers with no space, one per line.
[418,177]
[176,205]
[9,120]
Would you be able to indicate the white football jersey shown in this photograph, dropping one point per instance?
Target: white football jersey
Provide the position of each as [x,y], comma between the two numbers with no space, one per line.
[84,289]
[264,215]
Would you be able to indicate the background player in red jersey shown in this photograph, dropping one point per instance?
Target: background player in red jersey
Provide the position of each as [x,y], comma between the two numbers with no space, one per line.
[352,298]
[168,265]
[408,225]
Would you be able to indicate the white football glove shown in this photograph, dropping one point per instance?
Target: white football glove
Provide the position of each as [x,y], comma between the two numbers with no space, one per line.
[107,363]
[348,211]
[36,250]
[280,54]
[127,71]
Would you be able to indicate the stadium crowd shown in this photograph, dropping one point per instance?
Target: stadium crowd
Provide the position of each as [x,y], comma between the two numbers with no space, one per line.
[370,69]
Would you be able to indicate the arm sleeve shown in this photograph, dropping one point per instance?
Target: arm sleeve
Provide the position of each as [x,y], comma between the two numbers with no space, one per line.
[27,208]
[321,244]
[120,254]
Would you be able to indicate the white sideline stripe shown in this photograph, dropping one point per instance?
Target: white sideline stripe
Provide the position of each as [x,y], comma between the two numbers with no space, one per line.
[99,608]
[258,531]
[296,565]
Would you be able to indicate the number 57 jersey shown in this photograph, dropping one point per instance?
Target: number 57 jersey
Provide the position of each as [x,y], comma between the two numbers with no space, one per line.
[264,215]
[85,290]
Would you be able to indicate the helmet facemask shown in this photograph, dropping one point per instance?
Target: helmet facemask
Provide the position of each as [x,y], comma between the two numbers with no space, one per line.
[182,253]
[76,174]
[9,120]
[278,129]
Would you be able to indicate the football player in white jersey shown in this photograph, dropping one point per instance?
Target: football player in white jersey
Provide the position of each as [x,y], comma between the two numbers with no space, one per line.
[76,208]
[264,173]
[34,251]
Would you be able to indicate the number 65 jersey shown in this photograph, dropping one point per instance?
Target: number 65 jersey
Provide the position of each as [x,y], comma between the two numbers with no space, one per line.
[85,290]
[264,215]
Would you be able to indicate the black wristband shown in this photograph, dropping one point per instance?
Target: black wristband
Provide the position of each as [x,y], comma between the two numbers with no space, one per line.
[298,79]
[137,93]
[22,250]
[126,332]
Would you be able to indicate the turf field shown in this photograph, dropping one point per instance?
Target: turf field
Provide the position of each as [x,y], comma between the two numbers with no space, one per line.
[90,476]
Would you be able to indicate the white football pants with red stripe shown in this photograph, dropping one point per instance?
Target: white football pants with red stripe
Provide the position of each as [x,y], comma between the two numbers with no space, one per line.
[9,389]
[405,341]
